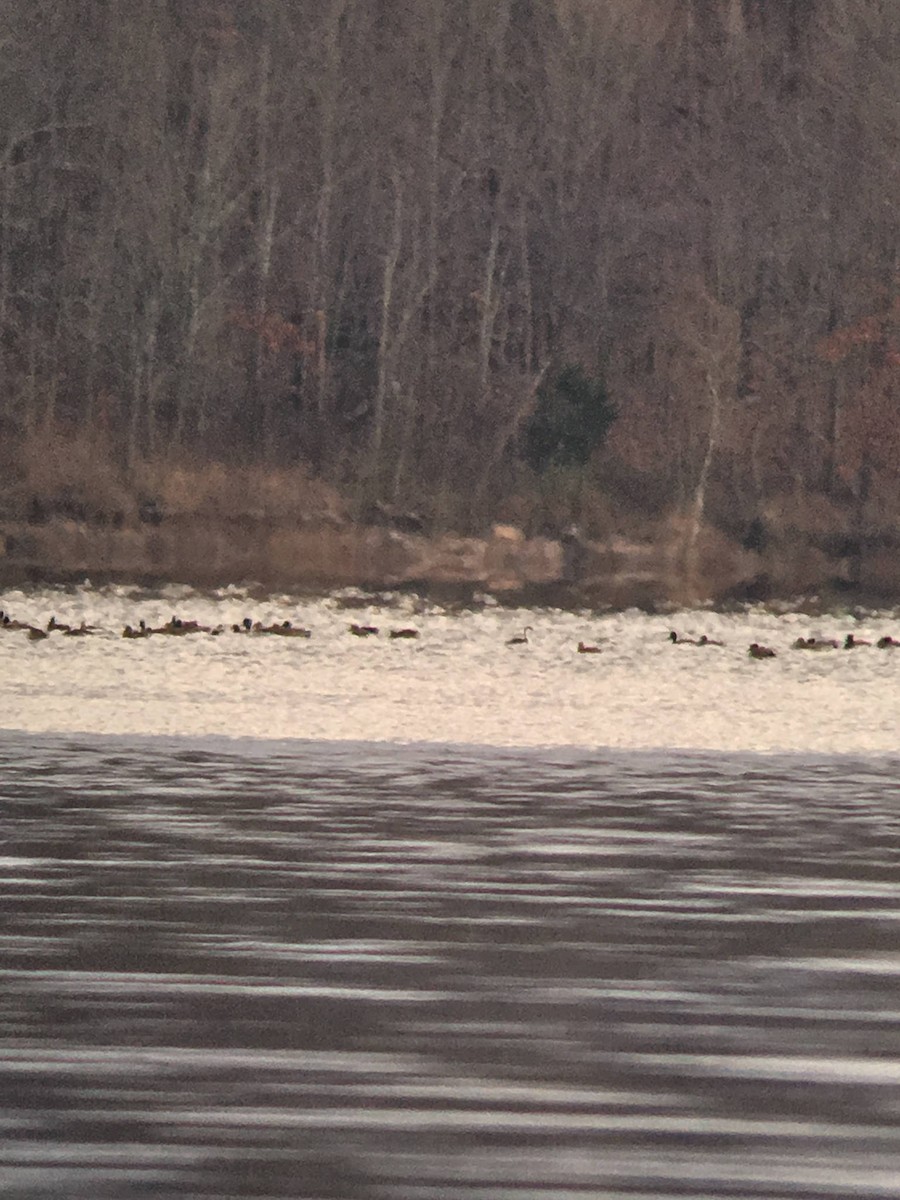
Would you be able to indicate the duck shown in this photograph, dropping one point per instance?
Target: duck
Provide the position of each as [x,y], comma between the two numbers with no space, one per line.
[35,634]
[681,641]
[175,627]
[53,625]
[851,642]
[286,629]
[583,648]
[364,630]
[520,639]
[404,633]
[758,651]
[81,630]
[194,627]
[7,623]
[141,632]
[886,642]
[814,643]
[708,641]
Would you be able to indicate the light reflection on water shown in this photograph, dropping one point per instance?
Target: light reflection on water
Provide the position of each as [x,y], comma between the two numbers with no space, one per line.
[235,969]
[458,683]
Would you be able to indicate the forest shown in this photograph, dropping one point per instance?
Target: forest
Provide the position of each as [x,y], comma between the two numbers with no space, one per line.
[524,260]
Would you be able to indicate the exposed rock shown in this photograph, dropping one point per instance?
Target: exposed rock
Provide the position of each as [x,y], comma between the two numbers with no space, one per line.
[445,559]
[507,533]
[392,517]
[617,572]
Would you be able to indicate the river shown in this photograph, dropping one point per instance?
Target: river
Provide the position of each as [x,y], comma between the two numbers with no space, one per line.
[356,918]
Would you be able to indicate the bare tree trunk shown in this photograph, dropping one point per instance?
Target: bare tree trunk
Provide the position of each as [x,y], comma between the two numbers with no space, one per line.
[268,191]
[528,356]
[699,504]
[506,432]
[5,169]
[391,258]
[488,313]
[320,289]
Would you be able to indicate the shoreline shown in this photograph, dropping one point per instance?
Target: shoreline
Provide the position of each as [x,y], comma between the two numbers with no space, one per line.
[569,572]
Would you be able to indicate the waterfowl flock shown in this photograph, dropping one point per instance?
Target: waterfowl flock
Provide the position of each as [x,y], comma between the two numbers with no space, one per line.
[37,634]
[756,650]
[677,640]
[181,627]
[248,627]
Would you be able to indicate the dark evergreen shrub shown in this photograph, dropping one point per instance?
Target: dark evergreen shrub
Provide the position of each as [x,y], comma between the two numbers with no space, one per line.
[572,418]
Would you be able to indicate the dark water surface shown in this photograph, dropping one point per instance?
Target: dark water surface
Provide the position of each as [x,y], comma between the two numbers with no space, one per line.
[351,970]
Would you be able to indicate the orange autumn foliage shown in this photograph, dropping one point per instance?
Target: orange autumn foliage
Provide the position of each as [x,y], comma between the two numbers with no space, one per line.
[870,423]
[278,334]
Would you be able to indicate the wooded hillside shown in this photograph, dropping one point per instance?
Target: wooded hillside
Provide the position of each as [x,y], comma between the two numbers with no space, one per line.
[363,235]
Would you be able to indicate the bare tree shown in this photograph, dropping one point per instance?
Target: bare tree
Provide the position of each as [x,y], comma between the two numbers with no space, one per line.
[358,232]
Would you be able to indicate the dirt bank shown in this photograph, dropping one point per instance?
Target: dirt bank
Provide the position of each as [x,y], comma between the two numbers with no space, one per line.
[67,513]
[616,572]
[208,554]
